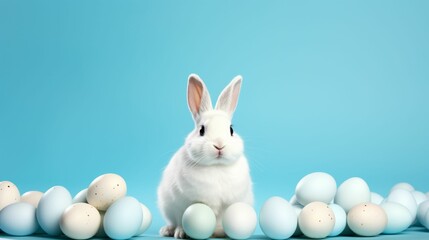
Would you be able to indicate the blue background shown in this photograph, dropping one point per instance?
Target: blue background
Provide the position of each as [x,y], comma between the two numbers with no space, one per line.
[90,87]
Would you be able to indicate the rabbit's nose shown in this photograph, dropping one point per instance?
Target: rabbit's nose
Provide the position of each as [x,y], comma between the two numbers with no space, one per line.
[218,148]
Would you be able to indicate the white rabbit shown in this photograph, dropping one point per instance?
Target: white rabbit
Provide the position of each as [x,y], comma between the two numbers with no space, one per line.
[211,167]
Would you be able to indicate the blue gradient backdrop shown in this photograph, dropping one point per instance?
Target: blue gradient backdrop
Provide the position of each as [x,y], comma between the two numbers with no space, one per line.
[90,87]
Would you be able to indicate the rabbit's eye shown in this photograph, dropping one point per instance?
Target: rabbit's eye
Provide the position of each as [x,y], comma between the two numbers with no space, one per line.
[231,130]
[202,130]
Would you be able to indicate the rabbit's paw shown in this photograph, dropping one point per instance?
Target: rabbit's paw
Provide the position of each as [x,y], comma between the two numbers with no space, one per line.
[179,233]
[167,231]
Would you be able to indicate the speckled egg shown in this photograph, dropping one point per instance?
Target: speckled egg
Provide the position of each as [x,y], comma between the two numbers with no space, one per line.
[32,197]
[317,186]
[123,218]
[105,190]
[316,220]
[51,207]
[277,218]
[9,194]
[80,197]
[19,219]
[147,220]
[80,221]
[239,221]
[398,217]
[340,220]
[367,219]
[352,192]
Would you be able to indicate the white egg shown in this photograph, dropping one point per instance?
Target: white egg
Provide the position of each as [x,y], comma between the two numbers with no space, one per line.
[298,209]
[18,219]
[80,221]
[419,197]
[425,221]
[404,186]
[123,218]
[80,197]
[199,221]
[51,207]
[405,198]
[105,190]
[239,221]
[147,220]
[340,220]
[316,220]
[32,197]
[422,210]
[367,219]
[352,192]
[398,217]
[317,186]
[9,194]
[277,218]
[376,198]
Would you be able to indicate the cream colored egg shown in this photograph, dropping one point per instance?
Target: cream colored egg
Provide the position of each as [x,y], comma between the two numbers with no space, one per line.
[9,194]
[80,221]
[367,219]
[32,197]
[316,220]
[105,190]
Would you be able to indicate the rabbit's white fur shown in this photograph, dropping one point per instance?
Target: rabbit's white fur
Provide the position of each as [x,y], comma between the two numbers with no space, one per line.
[209,169]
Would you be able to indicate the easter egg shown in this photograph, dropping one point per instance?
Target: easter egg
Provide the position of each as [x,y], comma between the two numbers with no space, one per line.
[405,198]
[398,217]
[147,220]
[80,197]
[80,221]
[419,197]
[340,220]
[199,221]
[105,190]
[421,211]
[123,218]
[403,185]
[376,198]
[425,220]
[316,220]
[18,219]
[277,218]
[367,219]
[239,221]
[32,197]
[317,186]
[298,209]
[51,207]
[9,194]
[352,192]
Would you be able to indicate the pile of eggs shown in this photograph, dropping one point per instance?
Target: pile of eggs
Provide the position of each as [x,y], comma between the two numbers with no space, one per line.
[101,210]
[319,209]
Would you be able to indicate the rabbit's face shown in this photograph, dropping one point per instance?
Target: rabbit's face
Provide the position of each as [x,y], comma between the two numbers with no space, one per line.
[213,141]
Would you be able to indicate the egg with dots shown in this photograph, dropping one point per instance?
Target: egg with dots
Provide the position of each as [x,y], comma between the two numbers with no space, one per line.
[9,194]
[105,190]
[367,219]
[316,220]
[80,221]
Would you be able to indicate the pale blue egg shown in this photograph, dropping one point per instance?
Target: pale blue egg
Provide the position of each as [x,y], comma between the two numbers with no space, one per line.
[123,218]
[199,221]
[51,207]
[398,217]
[340,219]
[19,219]
[80,197]
[277,218]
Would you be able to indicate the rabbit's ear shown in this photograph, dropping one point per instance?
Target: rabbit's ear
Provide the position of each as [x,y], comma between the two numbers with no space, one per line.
[228,99]
[198,96]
